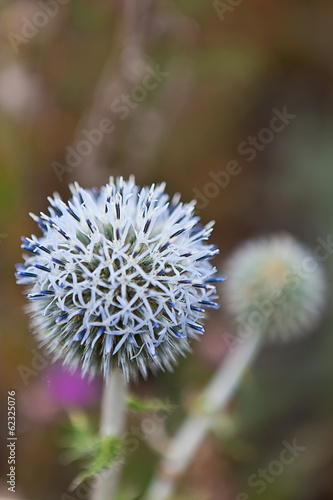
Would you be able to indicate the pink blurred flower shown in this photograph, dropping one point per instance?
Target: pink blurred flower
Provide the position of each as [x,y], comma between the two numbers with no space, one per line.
[70,388]
[43,401]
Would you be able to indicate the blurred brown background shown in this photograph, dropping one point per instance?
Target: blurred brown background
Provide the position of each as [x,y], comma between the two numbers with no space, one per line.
[191,88]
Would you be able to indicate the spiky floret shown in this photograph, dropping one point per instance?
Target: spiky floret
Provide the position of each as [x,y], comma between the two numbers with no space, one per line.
[275,286]
[120,276]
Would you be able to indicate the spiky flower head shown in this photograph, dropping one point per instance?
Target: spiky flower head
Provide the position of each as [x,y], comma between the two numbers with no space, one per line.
[121,276]
[275,286]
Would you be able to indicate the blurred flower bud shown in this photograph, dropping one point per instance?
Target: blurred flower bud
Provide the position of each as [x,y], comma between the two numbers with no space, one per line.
[21,93]
[275,286]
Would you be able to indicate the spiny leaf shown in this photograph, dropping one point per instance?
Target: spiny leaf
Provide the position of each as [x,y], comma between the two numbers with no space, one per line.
[80,438]
[106,453]
[97,453]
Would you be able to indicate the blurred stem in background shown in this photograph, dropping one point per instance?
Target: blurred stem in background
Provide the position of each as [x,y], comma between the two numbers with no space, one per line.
[263,275]
[215,398]
[150,120]
[117,78]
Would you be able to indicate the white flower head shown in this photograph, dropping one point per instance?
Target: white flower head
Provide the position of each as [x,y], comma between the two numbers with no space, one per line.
[121,276]
[275,285]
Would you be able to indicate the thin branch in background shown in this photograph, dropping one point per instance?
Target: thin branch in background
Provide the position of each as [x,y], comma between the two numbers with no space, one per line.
[153,123]
[141,21]
[117,78]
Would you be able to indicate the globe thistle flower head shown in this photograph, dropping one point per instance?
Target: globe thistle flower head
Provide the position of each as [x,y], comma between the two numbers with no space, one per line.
[120,276]
[274,286]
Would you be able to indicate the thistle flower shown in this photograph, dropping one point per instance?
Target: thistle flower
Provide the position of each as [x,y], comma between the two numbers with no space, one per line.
[120,276]
[275,286]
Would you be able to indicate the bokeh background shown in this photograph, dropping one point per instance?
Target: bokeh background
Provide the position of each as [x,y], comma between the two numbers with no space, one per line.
[224,72]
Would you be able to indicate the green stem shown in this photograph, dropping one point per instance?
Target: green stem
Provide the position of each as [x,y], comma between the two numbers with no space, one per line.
[112,425]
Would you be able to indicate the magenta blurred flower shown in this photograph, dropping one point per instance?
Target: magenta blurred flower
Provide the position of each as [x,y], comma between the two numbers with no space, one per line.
[70,388]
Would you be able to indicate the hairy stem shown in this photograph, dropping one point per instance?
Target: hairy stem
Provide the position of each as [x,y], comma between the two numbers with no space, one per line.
[112,424]
[215,397]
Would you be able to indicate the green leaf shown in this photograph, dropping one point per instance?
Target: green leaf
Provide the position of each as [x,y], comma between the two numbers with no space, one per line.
[80,438]
[105,454]
[145,405]
[97,452]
